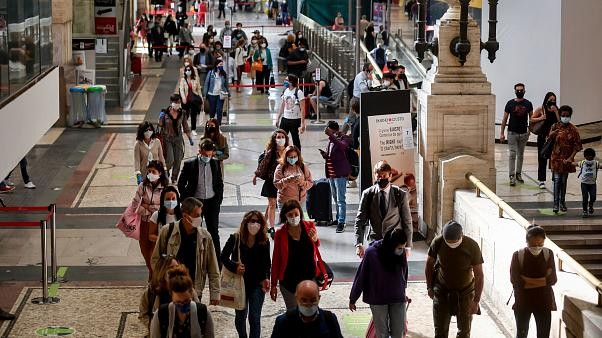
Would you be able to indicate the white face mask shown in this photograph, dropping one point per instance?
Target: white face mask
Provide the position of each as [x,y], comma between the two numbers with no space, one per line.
[148,134]
[565,119]
[294,221]
[188,73]
[152,177]
[280,142]
[175,105]
[535,250]
[454,245]
[308,311]
[196,222]
[254,228]
[170,204]
[263,45]
[386,83]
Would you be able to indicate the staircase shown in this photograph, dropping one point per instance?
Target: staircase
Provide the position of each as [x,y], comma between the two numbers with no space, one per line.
[107,71]
[581,238]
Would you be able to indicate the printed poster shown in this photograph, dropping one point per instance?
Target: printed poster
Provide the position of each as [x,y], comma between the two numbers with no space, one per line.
[378,14]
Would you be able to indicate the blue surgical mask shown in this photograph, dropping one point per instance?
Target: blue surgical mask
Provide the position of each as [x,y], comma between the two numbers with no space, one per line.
[565,119]
[292,160]
[170,204]
[205,159]
[182,308]
[285,84]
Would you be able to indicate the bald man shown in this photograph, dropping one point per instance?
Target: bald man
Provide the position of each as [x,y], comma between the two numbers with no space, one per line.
[307,320]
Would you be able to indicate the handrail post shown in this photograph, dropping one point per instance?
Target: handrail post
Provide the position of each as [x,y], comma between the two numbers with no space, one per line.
[501,212]
[478,192]
[44,298]
[53,258]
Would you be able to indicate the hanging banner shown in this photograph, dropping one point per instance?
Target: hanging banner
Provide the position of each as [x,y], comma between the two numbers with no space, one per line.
[378,14]
[105,17]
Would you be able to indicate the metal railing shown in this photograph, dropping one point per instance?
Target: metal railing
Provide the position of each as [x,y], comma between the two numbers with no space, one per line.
[563,257]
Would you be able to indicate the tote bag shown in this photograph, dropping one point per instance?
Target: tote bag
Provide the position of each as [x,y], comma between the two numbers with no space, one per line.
[130,220]
[232,292]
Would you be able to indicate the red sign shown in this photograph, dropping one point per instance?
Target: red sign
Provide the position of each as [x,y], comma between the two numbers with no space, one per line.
[105,26]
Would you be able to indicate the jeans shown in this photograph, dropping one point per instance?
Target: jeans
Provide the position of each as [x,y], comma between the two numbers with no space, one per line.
[542,163]
[211,208]
[174,153]
[588,191]
[255,298]
[216,105]
[24,174]
[338,187]
[559,180]
[389,320]
[543,321]
[516,147]
[442,317]
[292,126]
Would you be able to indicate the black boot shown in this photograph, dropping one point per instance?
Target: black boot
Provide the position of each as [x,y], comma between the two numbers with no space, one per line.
[6,316]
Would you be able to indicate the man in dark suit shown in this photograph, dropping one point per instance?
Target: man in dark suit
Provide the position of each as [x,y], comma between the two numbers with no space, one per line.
[383,205]
[201,177]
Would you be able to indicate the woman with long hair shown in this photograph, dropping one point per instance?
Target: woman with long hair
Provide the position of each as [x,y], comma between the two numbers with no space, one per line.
[295,248]
[216,90]
[382,278]
[190,92]
[174,124]
[292,177]
[156,292]
[222,150]
[169,212]
[548,113]
[254,264]
[148,195]
[146,149]
[274,150]
[239,61]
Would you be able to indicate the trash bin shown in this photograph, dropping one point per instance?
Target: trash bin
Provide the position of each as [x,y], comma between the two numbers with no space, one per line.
[96,105]
[78,112]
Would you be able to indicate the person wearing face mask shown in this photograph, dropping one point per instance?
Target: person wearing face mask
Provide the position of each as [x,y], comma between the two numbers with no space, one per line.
[190,92]
[292,177]
[174,125]
[216,90]
[239,62]
[532,274]
[388,82]
[238,34]
[202,178]
[291,115]
[148,196]
[186,40]
[307,319]
[300,39]
[187,62]
[548,115]
[209,34]
[226,31]
[264,55]
[322,93]
[203,62]
[362,81]
[295,250]
[253,47]
[517,114]
[383,206]
[146,149]
[567,144]
[221,8]
[455,285]
[339,22]
[183,316]
[192,246]
[169,212]
[382,278]
[266,167]
[222,150]
[297,61]
[252,243]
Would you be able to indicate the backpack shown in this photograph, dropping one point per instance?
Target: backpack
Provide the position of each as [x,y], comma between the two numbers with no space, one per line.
[163,313]
[354,161]
[521,256]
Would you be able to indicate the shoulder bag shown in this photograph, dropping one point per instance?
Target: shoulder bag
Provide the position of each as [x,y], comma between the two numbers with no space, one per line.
[326,275]
[130,220]
[546,149]
[232,292]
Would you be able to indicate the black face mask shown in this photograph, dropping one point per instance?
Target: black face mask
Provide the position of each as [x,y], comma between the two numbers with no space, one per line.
[382,182]
[551,104]
[210,129]
[520,94]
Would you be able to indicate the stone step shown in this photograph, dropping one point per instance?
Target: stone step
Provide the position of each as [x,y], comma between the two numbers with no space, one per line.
[594,268]
[585,254]
[575,240]
[107,80]
[110,72]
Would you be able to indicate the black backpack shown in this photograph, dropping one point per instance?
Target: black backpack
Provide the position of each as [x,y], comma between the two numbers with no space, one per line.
[354,161]
[350,88]
[163,314]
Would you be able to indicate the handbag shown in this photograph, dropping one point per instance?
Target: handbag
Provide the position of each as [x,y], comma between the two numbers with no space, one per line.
[223,95]
[546,149]
[325,276]
[536,127]
[232,291]
[258,66]
[130,220]
[247,66]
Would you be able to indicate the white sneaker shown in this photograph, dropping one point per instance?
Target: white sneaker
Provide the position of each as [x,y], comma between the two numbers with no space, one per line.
[30,185]
[352,184]
[542,185]
[194,133]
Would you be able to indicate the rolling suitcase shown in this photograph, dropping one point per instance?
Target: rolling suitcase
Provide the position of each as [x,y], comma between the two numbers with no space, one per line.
[319,202]
[136,64]
[279,20]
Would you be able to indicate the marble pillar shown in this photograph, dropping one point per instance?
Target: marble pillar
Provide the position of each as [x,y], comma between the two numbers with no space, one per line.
[456,124]
[62,28]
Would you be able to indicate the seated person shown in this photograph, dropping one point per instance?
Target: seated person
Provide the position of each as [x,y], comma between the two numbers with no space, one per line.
[322,93]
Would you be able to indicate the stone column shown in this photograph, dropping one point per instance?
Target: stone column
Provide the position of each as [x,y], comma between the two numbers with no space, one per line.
[62,20]
[456,117]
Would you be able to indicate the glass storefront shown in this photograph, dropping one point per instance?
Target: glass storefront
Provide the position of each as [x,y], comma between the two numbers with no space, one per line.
[25,42]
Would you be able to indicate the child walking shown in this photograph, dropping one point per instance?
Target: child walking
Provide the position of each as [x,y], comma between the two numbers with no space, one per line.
[587,176]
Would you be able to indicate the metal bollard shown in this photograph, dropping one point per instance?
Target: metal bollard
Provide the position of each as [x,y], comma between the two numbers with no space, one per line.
[53,259]
[45,299]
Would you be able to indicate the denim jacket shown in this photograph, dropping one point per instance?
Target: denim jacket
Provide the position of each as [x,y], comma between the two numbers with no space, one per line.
[210,82]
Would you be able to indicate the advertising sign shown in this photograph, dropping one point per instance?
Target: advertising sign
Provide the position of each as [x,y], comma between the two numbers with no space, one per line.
[378,14]
[105,17]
